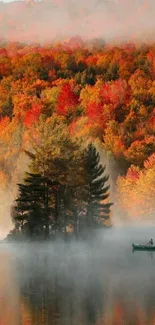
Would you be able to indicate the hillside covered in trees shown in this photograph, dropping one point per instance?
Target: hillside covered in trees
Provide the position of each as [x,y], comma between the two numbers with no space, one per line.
[100,94]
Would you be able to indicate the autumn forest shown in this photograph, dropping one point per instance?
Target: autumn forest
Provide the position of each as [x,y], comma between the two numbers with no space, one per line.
[70,111]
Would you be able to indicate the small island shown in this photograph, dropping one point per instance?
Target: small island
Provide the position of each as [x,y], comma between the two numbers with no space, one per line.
[65,195]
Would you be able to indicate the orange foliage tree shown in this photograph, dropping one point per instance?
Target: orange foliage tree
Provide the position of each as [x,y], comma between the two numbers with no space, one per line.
[104,93]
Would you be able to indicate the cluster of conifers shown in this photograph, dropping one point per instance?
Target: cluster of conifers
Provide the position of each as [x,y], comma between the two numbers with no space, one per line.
[48,207]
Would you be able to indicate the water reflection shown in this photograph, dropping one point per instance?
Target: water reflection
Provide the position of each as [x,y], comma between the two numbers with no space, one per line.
[65,290]
[9,292]
[84,284]
[149,254]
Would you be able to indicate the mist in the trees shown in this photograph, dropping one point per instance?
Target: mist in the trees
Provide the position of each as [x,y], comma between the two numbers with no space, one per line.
[110,20]
[52,203]
[77,134]
[51,96]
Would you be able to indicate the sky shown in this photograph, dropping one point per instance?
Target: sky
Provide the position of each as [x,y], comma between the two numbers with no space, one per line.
[43,21]
[5,1]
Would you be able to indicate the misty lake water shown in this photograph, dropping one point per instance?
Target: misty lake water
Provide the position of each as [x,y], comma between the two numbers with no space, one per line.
[102,282]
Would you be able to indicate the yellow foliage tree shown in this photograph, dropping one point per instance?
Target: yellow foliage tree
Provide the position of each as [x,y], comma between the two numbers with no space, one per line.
[136,191]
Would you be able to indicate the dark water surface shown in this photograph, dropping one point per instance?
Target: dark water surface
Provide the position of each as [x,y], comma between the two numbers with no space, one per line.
[79,283]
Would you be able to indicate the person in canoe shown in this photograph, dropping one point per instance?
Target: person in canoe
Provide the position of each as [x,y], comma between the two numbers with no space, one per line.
[150,243]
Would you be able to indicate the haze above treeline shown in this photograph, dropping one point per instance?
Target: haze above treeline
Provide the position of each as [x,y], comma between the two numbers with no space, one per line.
[45,21]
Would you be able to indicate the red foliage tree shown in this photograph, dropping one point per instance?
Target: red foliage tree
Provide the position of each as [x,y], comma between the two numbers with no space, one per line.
[67,100]
[32,115]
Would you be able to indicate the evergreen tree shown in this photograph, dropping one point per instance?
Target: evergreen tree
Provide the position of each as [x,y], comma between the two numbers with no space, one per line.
[32,205]
[57,156]
[95,191]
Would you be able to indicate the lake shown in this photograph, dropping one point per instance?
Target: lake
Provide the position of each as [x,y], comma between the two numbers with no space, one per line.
[79,283]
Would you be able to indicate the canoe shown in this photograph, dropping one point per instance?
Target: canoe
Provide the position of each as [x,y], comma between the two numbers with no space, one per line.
[143,247]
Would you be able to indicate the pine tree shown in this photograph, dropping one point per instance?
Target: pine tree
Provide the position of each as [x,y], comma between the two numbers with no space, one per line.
[95,191]
[32,205]
[57,156]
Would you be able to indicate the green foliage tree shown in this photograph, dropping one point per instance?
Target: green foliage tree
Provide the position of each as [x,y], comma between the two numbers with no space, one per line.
[56,156]
[58,196]
[32,208]
[95,192]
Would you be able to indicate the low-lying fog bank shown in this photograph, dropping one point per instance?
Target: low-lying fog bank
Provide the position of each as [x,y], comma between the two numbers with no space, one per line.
[79,282]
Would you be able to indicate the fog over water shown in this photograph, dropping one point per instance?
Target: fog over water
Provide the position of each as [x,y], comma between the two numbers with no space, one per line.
[97,282]
[78,283]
